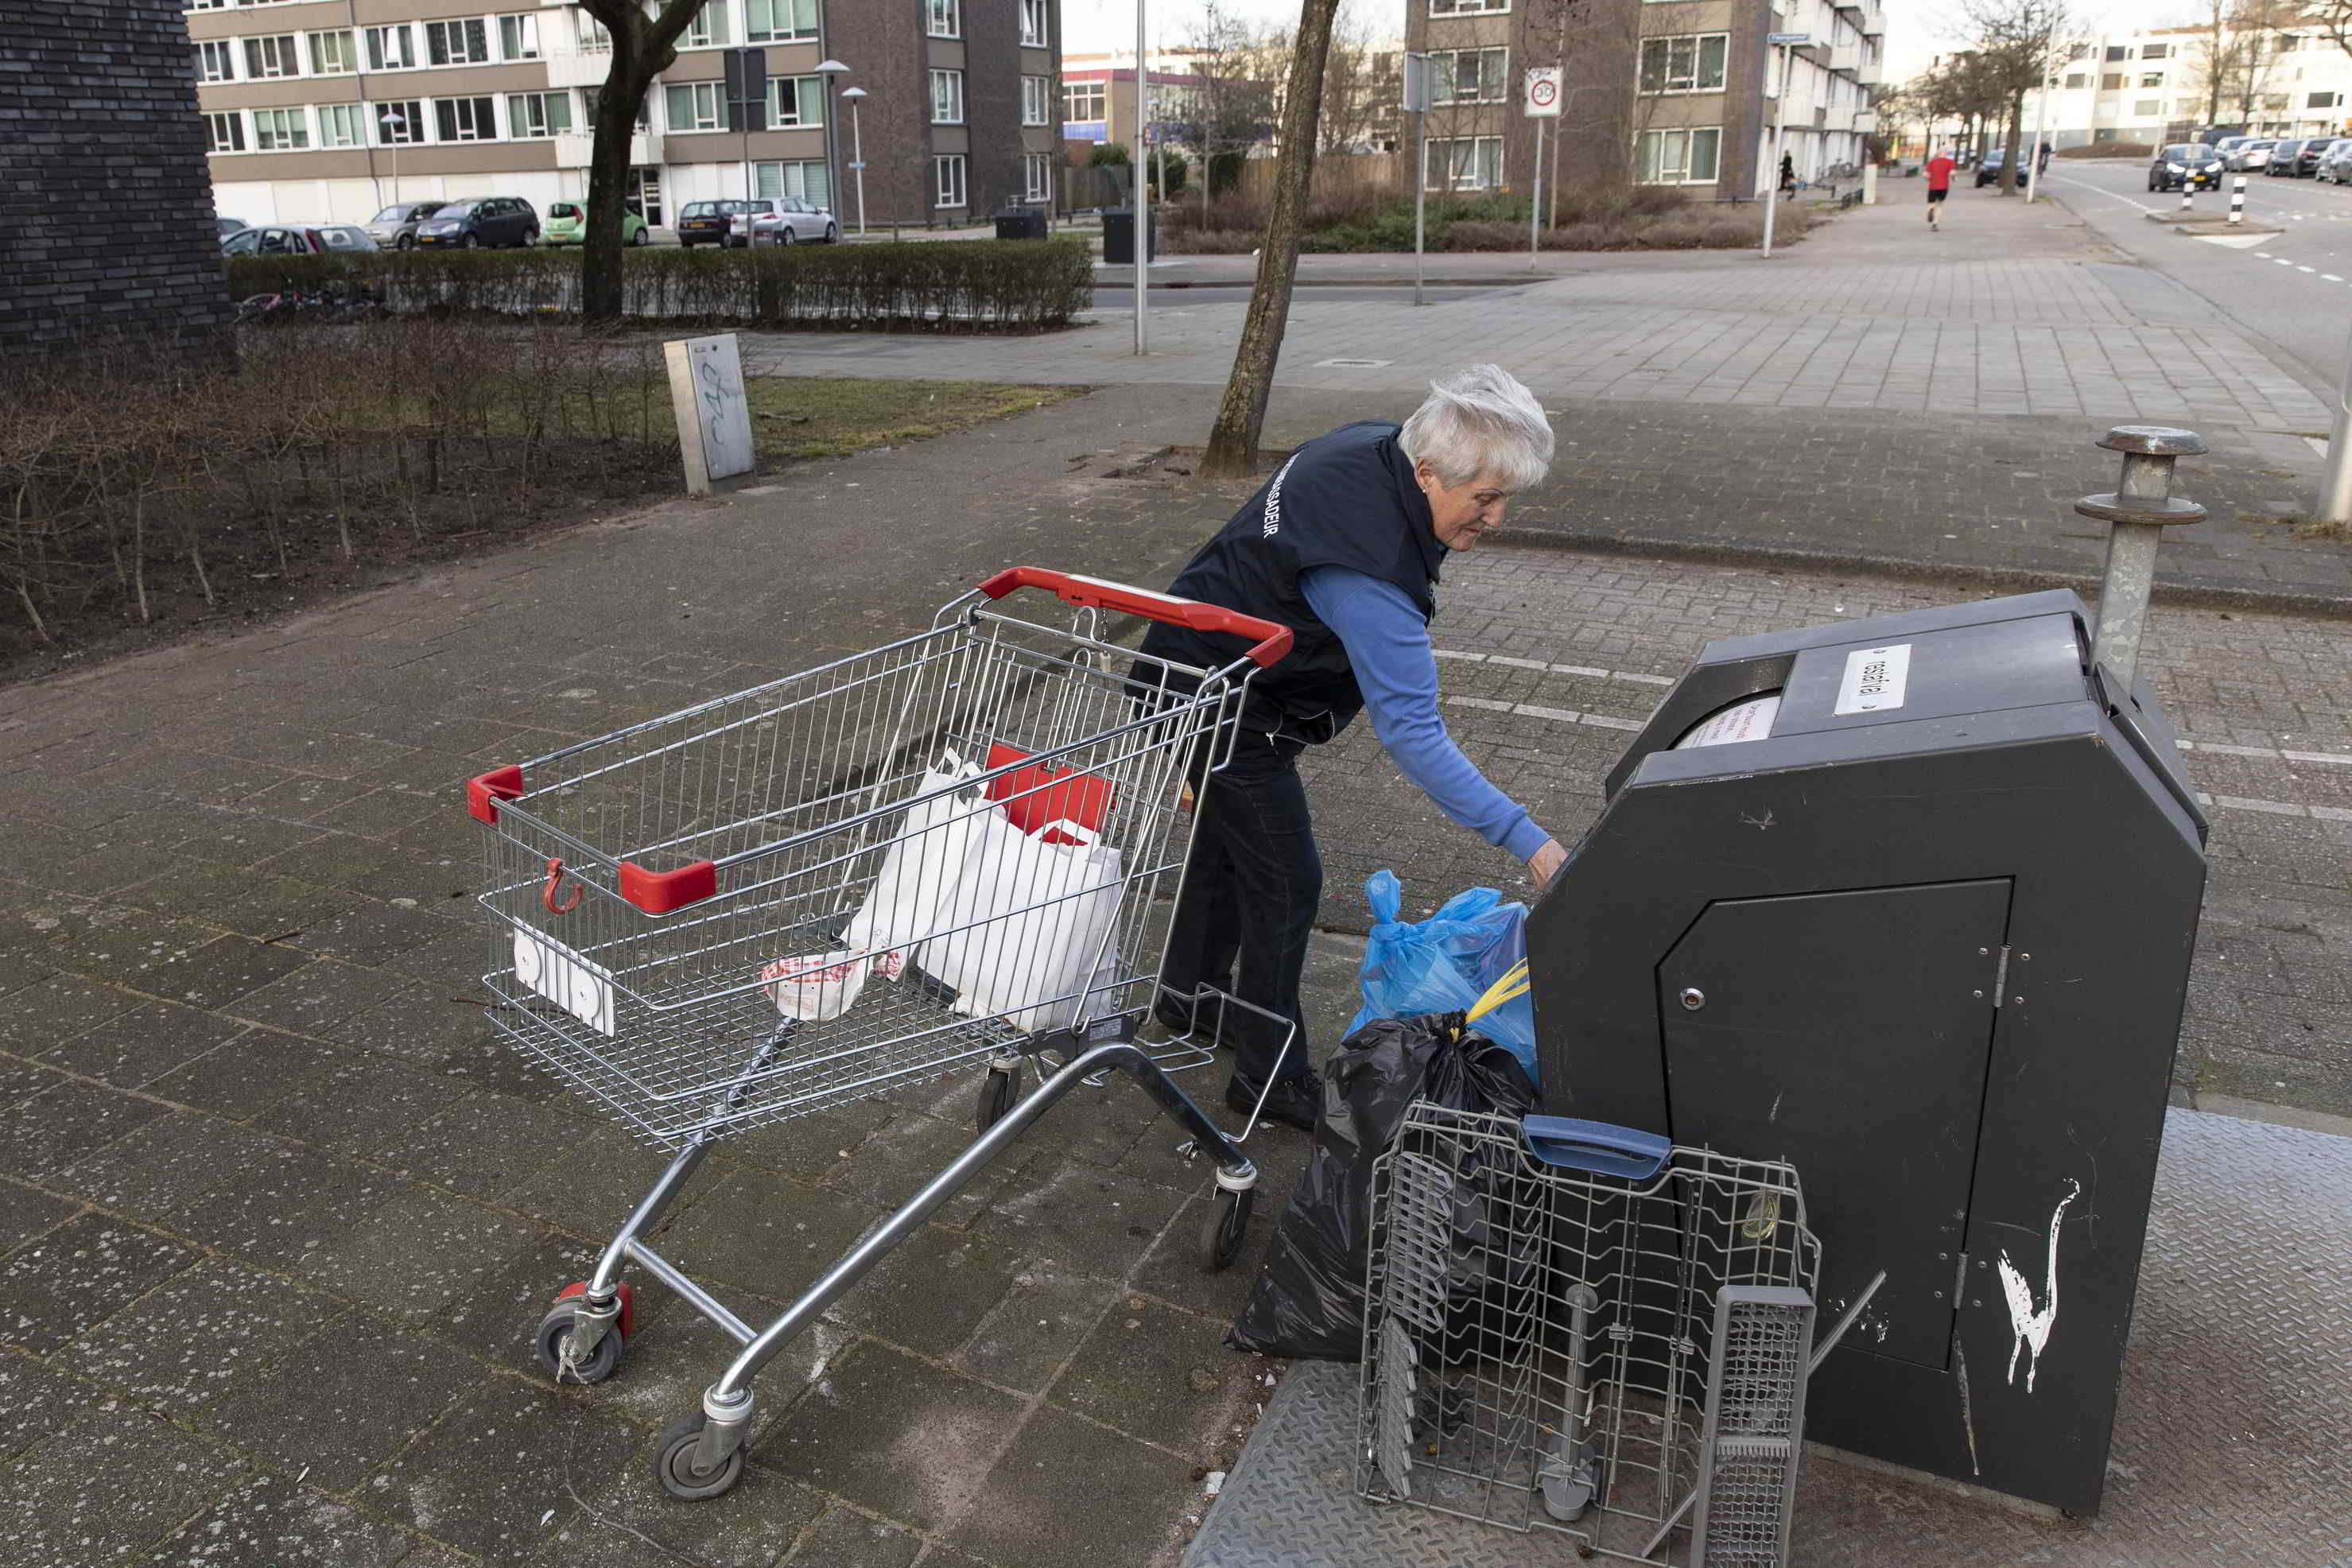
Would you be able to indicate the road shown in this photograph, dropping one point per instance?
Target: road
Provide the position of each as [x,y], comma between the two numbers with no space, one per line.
[2292,289]
[1119,296]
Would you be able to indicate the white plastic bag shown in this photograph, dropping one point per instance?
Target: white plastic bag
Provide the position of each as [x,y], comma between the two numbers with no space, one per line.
[818,988]
[1026,922]
[926,855]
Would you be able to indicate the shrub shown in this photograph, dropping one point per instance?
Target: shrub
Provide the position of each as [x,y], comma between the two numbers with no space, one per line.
[936,286]
[1639,217]
[2107,150]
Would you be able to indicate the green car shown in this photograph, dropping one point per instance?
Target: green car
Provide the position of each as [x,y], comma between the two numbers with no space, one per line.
[567,223]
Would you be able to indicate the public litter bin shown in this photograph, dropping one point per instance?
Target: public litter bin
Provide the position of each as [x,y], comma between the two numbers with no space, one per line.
[1909,903]
[1020,223]
[1118,238]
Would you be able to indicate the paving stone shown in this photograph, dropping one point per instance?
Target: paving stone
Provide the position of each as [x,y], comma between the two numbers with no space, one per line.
[484,1146]
[1171,1270]
[36,1402]
[1157,1373]
[1025,1339]
[1081,1216]
[767,1232]
[677,1353]
[494,1317]
[497,1464]
[170,1163]
[361,1104]
[287,1203]
[344,1401]
[901,1157]
[1069,1494]
[371,933]
[138,1047]
[194,1337]
[18,971]
[127,945]
[269,1521]
[59,1285]
[845,1538]
[223,971]
[409,1257]
[597,1184]
[895,1435]
[247,1074]
[241,838]
[26,1214]
[808,1148]
[44,1135]
[422,1024]
[107,1488]
[280,908]
[54,1010]
[314,996]
[930,1292]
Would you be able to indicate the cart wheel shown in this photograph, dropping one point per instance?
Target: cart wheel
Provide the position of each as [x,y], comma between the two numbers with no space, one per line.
[1224,1228]
[556,1327]
[997,1093]
[673,1463]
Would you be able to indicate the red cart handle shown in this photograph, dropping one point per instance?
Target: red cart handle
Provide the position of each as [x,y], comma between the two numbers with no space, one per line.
[1273,639]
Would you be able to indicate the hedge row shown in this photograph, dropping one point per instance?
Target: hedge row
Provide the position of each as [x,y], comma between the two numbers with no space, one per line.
[938,285]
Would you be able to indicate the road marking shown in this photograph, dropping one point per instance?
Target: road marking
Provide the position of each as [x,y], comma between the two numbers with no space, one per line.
[2222,749]
[2298,269]
[1556,715]
[2259,255]
[2331,277]
[2282,261]
[1590,670]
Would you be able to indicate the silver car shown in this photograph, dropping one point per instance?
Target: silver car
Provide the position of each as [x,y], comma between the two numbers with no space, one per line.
[795,218]
[2336,161]
[2251,155]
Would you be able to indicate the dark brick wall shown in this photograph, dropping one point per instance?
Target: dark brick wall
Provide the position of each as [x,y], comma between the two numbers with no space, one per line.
[106,205]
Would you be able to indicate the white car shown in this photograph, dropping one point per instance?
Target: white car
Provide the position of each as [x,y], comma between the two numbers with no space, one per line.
[795,218]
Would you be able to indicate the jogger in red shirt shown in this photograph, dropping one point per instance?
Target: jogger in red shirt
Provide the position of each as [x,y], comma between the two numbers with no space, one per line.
[1939,185]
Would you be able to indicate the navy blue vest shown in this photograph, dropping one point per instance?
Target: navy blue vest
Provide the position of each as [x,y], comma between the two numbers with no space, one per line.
[1347,499]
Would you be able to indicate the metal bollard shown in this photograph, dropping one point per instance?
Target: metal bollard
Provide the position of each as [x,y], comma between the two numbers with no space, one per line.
[2138,513]
[2238,199]
[2187,190]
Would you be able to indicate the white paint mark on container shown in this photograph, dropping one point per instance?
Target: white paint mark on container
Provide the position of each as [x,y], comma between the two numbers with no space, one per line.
[2029,1326]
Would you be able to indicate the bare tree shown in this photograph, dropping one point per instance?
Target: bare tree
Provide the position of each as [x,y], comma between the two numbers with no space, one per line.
[1362,85]
[2018,42]
[1232,442]
[642,49]
[1235,101]
[2235,58]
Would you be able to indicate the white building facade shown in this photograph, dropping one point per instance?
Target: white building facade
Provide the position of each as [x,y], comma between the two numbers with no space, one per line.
[2154,86]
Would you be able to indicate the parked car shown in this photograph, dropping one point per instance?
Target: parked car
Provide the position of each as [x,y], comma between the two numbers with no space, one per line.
[2336,161]
[795,218]
[2251,155]
[395,227]
[2283,158]
[567,223]
[713,223]
[225,227]
[285,239]
[481,221]
[2185,166]
[2306,161]
[1989,172]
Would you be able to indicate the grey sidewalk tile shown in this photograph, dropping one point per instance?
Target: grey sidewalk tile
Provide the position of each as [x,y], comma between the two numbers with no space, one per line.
[138,1047]
[634,1523]
[361,1102]
[76,1277]
[1081,1216]
[106,1487]
[269,1521]
[344,1401]
[489,1475]
[1025,1339]
[195,1338]
[411,1257]
[26,1214]
[1069,1494]
[247,1074]
[223,971]
[932,1292]
[313,996]
[50,1011]
[1159,1375]
[169,1163]
[845,1538]
[484,1146]
[367,931]
[44,1135]
[899,1159]
[766,1231]
[591,1190]
[36,1402]
[284,1205]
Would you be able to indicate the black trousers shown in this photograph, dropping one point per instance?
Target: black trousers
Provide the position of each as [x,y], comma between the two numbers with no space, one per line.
[1249,904]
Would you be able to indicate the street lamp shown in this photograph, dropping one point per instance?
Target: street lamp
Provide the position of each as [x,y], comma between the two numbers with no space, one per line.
[830,69]
[853,96]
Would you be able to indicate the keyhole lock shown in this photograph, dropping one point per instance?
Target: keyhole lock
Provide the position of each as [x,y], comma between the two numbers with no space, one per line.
[1692,998]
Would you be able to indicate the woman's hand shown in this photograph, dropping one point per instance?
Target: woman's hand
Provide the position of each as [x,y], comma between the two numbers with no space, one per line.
[1545,862]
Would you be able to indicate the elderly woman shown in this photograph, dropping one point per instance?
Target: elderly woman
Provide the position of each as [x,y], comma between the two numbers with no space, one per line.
[1343,546]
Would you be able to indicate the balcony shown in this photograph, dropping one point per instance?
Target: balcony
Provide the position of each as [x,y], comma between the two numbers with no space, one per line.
[1837,118]
[1873,23]
[1845,58]
[1870,72]
[578,66]
[1865,120]
[573,147]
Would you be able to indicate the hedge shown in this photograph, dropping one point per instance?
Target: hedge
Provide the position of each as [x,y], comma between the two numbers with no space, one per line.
[936,286]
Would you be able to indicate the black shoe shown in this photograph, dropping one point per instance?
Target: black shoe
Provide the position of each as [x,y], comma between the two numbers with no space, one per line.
[1295,1102]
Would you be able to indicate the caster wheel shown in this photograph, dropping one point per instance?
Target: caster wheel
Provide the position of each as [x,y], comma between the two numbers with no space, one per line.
[673,1463]
[997,1094]
[556,1328]
[1224,1228]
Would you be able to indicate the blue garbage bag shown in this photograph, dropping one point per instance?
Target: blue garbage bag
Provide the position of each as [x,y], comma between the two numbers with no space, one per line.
[1444,964]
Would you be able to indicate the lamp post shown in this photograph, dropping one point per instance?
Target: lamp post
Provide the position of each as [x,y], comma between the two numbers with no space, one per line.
[1788,44]
[853,96]
[1142,203]
[829,68]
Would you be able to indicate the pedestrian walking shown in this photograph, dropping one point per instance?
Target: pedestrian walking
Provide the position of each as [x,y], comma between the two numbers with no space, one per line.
[1788,174]
[1939,185]
[1344,545]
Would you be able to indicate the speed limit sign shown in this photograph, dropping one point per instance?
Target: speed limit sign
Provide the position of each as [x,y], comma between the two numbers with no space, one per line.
[1543,92]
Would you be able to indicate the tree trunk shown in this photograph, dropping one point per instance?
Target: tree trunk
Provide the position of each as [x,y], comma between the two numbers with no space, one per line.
[603,290]
[2009,180]
[1233,443]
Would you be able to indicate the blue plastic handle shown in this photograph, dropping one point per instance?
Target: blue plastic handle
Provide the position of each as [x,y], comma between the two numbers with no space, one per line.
[1600,1147]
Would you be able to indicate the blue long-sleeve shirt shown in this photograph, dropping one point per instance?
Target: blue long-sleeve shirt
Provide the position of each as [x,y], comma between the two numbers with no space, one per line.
[1387,646]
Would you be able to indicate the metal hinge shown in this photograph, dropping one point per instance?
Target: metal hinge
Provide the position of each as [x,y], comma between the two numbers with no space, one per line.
[2000,978]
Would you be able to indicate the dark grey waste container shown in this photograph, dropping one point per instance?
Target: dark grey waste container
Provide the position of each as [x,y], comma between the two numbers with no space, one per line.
[1020,223]
[1910,903]
[1118,238]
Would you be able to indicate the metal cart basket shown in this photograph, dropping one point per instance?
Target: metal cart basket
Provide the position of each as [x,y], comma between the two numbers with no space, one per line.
[956,851]
[1583,1329]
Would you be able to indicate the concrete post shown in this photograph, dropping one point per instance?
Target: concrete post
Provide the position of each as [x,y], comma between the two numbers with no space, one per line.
[2136,513]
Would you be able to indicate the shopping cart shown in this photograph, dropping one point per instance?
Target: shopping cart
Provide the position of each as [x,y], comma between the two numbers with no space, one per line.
[1584,1329]
[958,851]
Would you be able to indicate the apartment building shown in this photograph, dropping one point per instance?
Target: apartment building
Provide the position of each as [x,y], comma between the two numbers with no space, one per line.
[1683,92]
[327,109]
[2157,85]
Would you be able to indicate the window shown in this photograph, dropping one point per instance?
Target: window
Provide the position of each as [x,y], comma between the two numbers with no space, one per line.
[465,120]
[1468,75]
[2325,101]
[947,103]
[1082,101]
[1464,164]
[2147,106]
[1467,7]
[1032,24]
[777,21]
[2274,102]
[2118,52]
[2076,79]
[794,101]
[205,5]
[1036,176]
[698,106]
[2151,79]
[272,56]
[2155,51]
[225,132]
[1679,157]
[778,182]
[215,61]
[2111,81]
[1036,98]
[518,38]
[342,125]
[709,30]
[465,43]
[1692,64]
[281,130]
[946,180]
[391,48]
[589,35]
[333,53]
[530,114]
[399,123]
[943,18]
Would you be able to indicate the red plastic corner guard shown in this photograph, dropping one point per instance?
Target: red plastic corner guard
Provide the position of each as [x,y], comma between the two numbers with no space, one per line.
[659,892]
[628,1294]
[484,793]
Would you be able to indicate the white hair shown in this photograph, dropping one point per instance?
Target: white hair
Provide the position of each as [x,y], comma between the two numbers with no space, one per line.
[1480,422]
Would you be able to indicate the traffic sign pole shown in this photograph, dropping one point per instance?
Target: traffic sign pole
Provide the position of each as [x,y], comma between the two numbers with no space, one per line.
[1788,44]
[1416,103]
[1540,102]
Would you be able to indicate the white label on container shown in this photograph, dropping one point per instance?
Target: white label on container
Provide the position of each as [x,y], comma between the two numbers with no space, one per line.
[1748,720]
[1875,679]
[581,988]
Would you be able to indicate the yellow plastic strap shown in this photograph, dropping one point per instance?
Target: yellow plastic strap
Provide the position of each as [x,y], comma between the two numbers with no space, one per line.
[1510,987]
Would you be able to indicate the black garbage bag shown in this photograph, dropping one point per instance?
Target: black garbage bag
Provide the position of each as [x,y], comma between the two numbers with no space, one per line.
[1310,1301]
